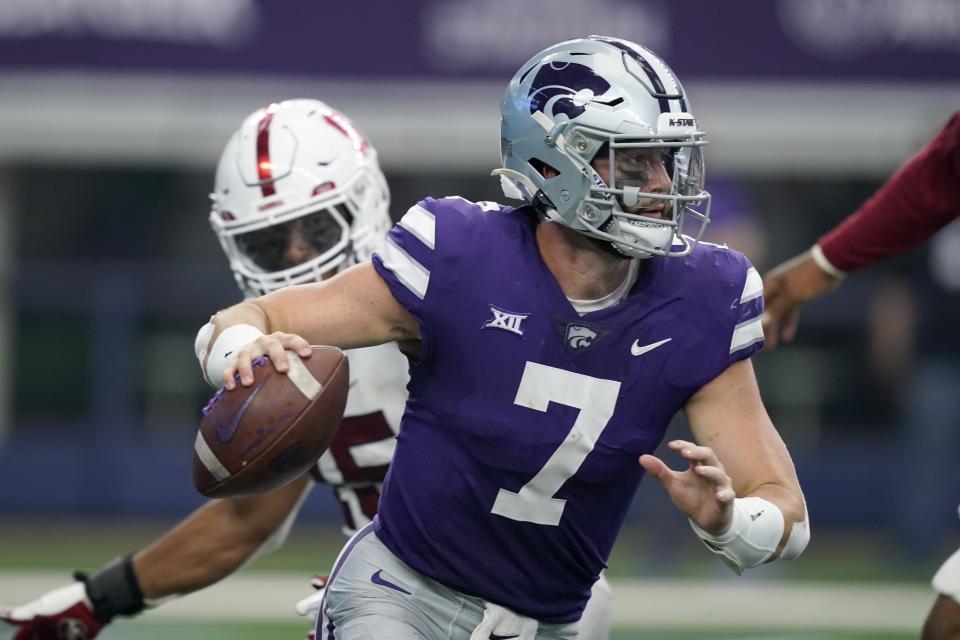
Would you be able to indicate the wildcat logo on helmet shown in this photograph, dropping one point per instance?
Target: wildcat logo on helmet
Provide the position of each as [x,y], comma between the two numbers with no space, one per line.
[565,88]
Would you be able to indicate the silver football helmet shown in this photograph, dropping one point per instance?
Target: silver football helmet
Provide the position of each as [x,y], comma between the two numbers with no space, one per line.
[298,195]
[596,99]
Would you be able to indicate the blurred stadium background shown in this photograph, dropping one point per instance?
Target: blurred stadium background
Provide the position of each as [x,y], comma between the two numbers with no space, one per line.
[112,116]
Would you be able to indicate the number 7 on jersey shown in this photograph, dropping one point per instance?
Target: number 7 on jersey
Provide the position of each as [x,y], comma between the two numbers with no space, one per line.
[596,399]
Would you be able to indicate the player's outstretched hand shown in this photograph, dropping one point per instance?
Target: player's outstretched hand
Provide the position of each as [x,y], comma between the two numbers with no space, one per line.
[703,492]
[787,287]
[60,614]
[273,346]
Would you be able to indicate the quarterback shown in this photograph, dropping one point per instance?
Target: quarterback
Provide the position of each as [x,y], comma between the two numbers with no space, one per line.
[550,346]
[298,196]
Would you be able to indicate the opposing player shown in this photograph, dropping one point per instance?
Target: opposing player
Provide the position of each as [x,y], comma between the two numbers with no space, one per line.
[298,196]
[551,344]
[919,199]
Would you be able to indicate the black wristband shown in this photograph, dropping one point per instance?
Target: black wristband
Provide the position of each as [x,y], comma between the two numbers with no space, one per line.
[113,590]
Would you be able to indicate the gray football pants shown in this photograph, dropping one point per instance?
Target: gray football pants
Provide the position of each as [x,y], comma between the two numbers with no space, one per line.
[372,594]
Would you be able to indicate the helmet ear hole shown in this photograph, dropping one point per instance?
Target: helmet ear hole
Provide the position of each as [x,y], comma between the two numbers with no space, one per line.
[544,169]
[602,152]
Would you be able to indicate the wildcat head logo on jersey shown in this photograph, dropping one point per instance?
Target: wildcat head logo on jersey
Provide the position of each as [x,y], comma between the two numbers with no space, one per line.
[577,336]
[580,336]
[565,88]
[506,320]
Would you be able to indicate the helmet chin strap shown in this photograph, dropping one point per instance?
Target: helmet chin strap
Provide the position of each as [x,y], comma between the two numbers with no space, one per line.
[641,235]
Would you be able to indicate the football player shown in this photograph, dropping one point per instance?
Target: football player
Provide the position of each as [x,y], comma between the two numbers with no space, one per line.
[922,197]
[298,196]
[551,344]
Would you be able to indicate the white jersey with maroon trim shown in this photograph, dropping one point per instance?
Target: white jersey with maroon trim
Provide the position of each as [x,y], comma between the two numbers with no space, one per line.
[357,460]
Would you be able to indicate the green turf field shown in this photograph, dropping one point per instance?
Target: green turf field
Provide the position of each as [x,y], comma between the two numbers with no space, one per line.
[844,556]
[129,631]
[841,571]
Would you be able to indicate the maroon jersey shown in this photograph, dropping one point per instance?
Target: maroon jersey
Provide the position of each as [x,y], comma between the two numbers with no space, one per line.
[357,460]
[921,198]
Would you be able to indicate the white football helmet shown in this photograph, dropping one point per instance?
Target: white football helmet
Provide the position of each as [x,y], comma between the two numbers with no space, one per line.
[596,95]
[298,194]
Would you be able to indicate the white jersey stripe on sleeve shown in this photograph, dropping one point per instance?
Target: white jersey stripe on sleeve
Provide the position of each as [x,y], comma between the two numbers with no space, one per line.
[753,287]
[411,273]
[746,333]
[421,223]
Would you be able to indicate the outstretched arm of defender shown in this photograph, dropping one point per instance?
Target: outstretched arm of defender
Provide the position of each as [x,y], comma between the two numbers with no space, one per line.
[353,309]
[216,540]
[206,547]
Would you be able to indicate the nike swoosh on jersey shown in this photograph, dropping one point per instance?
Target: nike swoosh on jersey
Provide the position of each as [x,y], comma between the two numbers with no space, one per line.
[225,431]
[494,636]
[637,350]
[377,579]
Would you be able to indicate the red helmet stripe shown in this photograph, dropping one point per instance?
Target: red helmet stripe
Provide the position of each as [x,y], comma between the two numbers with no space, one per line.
[342,124]
[264,167]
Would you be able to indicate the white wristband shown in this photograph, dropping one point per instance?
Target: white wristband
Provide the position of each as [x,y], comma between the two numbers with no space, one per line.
[753,536]
[821,261]
[214,359]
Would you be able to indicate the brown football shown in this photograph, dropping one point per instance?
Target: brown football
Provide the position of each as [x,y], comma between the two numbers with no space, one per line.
[253,439]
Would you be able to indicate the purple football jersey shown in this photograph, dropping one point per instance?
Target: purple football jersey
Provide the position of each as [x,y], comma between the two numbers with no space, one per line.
[516,460]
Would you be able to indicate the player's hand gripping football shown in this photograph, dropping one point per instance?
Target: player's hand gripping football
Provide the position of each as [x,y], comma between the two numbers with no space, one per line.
[273,346]
[61,614]
[703,492]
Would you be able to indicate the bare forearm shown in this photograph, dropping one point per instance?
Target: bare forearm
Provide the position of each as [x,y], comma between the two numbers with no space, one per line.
[353,309]
[192,556]
[213,542]
[728,415]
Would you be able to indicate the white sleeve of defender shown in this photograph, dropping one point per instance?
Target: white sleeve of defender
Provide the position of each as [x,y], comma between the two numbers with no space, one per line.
[214,358]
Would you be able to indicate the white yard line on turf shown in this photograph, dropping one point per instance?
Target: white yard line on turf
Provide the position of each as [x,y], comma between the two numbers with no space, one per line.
[742,605]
